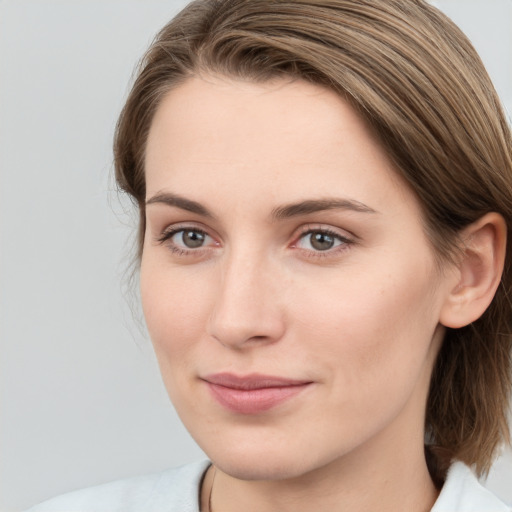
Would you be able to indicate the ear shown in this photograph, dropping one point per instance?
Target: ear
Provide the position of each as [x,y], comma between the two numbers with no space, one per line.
[478,272]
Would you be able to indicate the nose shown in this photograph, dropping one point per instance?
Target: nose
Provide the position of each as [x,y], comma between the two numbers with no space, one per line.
[247,309]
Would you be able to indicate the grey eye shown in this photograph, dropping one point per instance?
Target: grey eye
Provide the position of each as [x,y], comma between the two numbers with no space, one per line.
[321,241]
[187,240]
[192,239]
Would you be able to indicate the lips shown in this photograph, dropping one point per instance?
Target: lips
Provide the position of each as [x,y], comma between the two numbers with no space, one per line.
[253,394]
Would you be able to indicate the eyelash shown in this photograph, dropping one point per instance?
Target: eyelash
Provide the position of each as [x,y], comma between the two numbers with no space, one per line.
[166,236]
[345,242]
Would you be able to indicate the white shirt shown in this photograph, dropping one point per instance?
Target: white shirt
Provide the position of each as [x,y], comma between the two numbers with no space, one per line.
[177,490]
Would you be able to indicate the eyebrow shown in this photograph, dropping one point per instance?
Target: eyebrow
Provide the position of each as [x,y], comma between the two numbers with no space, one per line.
[282,212]
[180,202]
[318,205]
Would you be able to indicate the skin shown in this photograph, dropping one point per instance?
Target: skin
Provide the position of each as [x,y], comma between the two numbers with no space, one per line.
[360,321]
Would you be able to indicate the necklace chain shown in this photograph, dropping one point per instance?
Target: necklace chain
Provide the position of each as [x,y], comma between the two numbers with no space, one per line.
[210,509]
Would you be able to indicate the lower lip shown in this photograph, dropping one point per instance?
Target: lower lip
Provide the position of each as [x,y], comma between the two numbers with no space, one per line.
[254,401]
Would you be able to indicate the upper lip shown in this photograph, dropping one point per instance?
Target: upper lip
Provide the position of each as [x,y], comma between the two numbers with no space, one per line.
[251,381]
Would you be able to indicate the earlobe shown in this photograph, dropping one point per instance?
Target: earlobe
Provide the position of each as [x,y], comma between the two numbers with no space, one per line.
[479,271]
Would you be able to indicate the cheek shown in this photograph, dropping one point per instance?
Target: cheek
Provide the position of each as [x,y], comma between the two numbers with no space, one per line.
[374,327]
[176,306]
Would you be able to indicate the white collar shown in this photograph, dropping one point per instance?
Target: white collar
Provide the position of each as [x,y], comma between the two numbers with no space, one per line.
[462,492]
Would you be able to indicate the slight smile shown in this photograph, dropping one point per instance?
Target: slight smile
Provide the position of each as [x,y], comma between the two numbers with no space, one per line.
[254,393]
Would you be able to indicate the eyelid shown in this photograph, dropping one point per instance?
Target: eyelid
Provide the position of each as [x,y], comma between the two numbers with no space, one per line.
[324,228]
[174,228]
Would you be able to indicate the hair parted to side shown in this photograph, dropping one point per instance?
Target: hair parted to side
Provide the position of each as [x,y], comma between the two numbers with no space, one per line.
[416,79]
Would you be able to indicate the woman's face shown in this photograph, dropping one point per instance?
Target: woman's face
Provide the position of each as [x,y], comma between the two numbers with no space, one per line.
[288,287]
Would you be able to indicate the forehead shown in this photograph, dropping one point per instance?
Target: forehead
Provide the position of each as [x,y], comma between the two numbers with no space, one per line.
[272,139]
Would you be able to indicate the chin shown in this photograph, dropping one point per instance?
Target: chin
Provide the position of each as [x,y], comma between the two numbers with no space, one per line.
[265,459]
[261,467]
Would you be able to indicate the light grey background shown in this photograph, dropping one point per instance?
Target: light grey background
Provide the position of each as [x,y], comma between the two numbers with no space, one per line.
[81,398]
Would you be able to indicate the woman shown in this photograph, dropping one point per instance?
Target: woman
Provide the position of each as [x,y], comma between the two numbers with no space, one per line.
[325,193]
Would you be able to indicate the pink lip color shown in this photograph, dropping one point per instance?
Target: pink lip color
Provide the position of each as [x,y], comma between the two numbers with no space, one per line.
[253,393]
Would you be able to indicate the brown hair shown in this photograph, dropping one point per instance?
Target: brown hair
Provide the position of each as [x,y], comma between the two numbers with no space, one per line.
[416,79]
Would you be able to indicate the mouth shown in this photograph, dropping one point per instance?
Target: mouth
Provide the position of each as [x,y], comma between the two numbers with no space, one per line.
[254,393]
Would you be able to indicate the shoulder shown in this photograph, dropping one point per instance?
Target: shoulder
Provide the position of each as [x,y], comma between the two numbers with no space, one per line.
[462,492]
[171,490]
